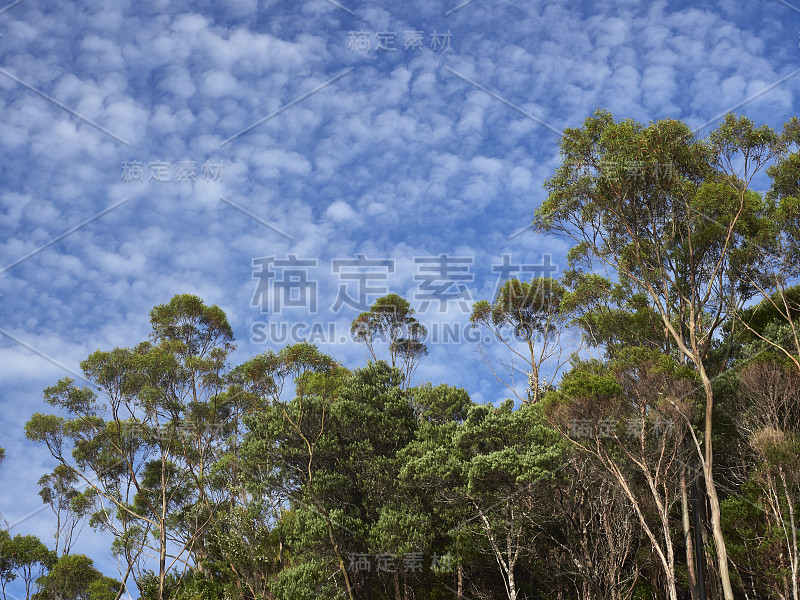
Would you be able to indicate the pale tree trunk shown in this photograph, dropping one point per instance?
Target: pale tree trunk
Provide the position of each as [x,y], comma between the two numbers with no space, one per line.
[694,353]
[700,545]
[162,533]
[666,558]
[508,562]
[534,382]
[58,531]
[791,540]
[711,490]
[687,538]
[793,525]
[124,585]
[162,560]
[340,560]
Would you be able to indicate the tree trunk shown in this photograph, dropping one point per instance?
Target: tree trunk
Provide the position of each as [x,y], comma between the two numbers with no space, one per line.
[162,559]
[339,558]
[793,553]
[711,490]
[397,594]
[687,538]
[699,545]
[123,587]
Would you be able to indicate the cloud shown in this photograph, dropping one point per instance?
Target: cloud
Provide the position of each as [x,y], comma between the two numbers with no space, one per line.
[341,212]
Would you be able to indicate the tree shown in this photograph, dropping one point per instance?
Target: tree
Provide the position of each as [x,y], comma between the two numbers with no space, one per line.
[392,320]
[281,448]
[430,474]
[69,506]
[771,326]
[777,279]
[28,557]
[7,572]
[533,314]
[145,438]
[685,241]
[592,524]
[331,457]
[74,576]
[631,417]
[486,470]
[246,551]
[504,454]
[611,316]
[769,421]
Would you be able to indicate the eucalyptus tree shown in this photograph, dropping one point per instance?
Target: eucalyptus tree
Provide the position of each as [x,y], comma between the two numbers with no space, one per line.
[69,506]
[26,557]
[7,574]
[592,537]
[286,443]
[329,459]
[530,313]
[145,436]
[674,217]
[74,576]
[768,420]
[612,316]
[632,417]
[777,281]
[391,320]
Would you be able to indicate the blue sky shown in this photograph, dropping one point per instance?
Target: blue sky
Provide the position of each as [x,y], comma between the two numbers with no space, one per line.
[437,149]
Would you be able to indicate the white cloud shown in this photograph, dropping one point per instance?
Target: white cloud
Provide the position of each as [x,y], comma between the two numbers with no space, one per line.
[341,212]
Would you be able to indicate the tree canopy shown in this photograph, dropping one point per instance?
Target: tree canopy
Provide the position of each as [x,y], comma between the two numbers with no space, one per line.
[656,458]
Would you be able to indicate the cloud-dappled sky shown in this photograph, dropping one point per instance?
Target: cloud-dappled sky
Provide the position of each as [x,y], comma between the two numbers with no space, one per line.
[154,148]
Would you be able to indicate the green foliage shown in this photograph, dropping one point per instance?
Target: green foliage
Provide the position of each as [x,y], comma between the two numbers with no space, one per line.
[532,314]
[588,379]
[320,452]
[7,564]
[74,576]
[391,320]
[177,587]
[664,234]
[441,404]
[503,449]
[306,581]
[529,309]
[612,315]
[151,438]
[68,504]
[24,556]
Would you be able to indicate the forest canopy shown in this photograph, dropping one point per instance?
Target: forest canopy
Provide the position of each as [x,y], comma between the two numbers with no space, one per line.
[660,458]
